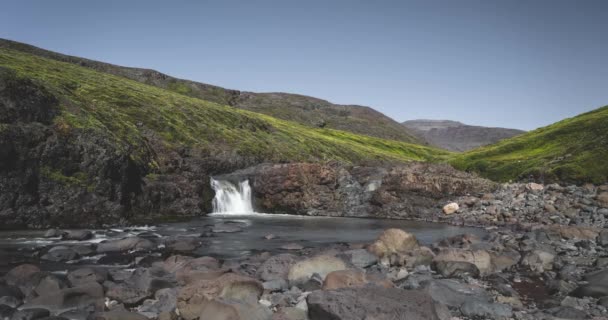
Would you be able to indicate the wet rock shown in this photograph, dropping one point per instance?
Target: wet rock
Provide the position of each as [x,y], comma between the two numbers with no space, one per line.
[360,258]
[183,244]
[393,245]
[301,271]
[52,233]
[597,285]
[450,208]
[373,303]
[7,290]
[453,293]
[486,310]
[21,274]
[85,275]
[126,244]
[6,312]
[276,267]
[165,302]
[87,296]
[188,269]
[77,235]
[226,228]
[126,294]
[49,285]
[344,279]
[60,253]
[30,314]
[10,301]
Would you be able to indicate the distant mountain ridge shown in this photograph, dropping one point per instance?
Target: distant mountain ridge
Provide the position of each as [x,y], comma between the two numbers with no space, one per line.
[305,110]
[457,136]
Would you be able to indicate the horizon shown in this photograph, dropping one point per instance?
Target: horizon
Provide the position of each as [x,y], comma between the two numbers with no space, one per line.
[512,65]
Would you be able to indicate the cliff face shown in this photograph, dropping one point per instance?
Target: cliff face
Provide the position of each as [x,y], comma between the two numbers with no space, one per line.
[456,136]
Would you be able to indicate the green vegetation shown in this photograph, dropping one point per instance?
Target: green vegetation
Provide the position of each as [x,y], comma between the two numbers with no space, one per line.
[132,114]
[78,179]
[572,150]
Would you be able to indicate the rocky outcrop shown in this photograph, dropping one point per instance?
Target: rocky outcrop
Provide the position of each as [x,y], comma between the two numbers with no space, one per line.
[400,191]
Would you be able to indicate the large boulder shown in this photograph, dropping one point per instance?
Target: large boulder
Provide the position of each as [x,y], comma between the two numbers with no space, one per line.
[126,244]
[60,253]
[301,271]
[276,267]
[374,303]
[597,285]
[392,244]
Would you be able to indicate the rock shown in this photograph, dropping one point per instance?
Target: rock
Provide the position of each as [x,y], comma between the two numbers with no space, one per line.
[183,244]
[85,275]
[60,253]
[562,312]
[270,236]
[165,302]
[77,235]
[359,258]
[21,274]
[49,285]
[602,199]
[534,186]
[290,313]
[126,244]
[397,274]
[344,279]
[226,228]
[292,246]
[223,309]
[88,295]
[301,271]
[597,285]
[452,269]
[188,269]
[602,238]
[373,303]
[30,314]
[228,286]
[539,261]
[575,232]
[124,293]
[453,293]
[275,285]
[7,290]
[392,244]
[450,208]
[276,267]
[6,312]
[118,314]
[52,233]
[486,310]
[480,258]
[10,301]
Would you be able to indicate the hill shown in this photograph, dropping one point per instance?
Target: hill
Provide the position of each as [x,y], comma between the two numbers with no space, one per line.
[81,145]
[572,150]
[305,110]
[456,136]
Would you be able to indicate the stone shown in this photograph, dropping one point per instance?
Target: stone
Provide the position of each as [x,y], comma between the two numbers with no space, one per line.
[276,267]
[302,270]
[223,309]
[275,285]
[7,290]
[30,314]
[21,274]
[480,258]
[290,313]
[52,233]
[486,310]
[602,238]
[534,186]
[10,301]
[60,253]
[118,314]
[393,242]
[602,199]
[344,279]
[450,208]
[373,303]
[188,269]
[183,244]
[126,244]
[539,261]
[49,285]
[452,269]
[597,285]
[165,302]
[453,293]
[78,235]
[85,296]
[360,258]
[84,275]
[292,246]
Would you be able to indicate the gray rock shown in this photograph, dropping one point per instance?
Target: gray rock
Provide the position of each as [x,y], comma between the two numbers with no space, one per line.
[50,285]
[10,301]
[454,294]
[360,258]
[451,269]
[165,301]
[78,235]
[84,275]
[52,233]
[596,287]
[126,244]
[373,303]
[30,314]
[276,267]
[87,296]
[602,238]
[275,285]
[486,310]
[60,253]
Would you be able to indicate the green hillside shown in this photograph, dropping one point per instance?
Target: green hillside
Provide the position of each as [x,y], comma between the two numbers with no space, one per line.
[131,113]
[572,150]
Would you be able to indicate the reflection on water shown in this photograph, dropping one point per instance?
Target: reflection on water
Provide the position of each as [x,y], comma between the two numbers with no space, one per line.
[307,231]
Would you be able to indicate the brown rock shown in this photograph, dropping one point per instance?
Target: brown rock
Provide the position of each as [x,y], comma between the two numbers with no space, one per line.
[602,199]
[393,241]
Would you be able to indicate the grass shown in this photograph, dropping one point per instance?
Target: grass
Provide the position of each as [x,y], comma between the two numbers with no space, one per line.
[573,150]
[130,113]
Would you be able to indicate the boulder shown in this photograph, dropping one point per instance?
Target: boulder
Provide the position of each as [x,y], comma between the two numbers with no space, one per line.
[597,285]
[49,285]
[359,258]
[486,310]
[183,244]
[344,279]
[60,253]
[453,293]
[602,238]
[21,274]
[450,208]
[480,258]
[30,314]
[575,232]
[301,271]
[165,301]
[539,261]
[52,233]
[392,244]
[84,275]
[225,309]
[452,269]
[276,267]
[126,244]
[374,303]
[85,296]
[77,235]
[188,269]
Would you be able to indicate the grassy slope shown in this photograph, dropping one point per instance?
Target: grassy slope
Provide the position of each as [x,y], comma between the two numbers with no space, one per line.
[572,150]
[296,108]
[126,109]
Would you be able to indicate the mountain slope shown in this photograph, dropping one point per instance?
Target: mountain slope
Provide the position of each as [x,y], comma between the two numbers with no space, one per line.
[572,150]
[456,136]
[80,146]
[302,109]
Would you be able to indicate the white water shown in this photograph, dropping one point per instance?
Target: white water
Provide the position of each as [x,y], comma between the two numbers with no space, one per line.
[231,199]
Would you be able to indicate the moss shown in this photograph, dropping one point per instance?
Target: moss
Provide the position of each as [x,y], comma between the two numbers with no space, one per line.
[78,179]
[129,112]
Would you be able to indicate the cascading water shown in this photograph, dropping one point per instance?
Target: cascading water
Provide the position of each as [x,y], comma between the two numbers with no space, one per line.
[231,199]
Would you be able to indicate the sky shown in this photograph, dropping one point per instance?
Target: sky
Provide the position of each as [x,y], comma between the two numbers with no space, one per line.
[507,63]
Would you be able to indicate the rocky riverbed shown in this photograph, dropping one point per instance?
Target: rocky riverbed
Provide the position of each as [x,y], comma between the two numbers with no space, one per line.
[544,256]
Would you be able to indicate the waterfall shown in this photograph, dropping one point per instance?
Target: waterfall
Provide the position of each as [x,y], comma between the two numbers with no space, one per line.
[231,199]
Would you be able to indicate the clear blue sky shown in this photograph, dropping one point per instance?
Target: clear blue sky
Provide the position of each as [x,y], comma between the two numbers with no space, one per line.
[510,63]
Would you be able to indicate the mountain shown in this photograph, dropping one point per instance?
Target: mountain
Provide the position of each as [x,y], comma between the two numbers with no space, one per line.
[573,150]
[84,147]
[308,111]
[456,136]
